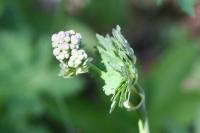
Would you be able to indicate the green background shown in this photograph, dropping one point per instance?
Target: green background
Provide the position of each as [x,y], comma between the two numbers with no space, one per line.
[164,36]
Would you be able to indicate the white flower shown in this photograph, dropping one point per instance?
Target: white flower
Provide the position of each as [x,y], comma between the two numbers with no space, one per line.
[75,39]
[66,46]
[77,62]
[67,38]
[54,38]
[78,35]
[56,51]
[61,34]
[70,63]
[72,32]
[72,46]
[74,52]
[66,56]
[77,47]
[61,56]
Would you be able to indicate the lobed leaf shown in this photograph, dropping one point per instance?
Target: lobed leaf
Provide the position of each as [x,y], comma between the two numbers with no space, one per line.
[119,60]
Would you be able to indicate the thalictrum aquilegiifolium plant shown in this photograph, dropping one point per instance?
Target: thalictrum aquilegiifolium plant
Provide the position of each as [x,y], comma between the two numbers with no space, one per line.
[120,76]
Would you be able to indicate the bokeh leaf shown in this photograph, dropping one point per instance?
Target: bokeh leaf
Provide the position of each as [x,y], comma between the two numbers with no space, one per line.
[168,100]
[186,5]
[26,75]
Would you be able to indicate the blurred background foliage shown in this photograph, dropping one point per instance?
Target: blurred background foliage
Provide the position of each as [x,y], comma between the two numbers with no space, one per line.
[164,34]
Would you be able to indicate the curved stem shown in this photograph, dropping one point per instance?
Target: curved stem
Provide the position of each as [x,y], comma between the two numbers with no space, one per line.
[143,123]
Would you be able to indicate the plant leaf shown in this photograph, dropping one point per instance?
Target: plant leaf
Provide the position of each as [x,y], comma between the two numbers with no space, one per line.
[186,5]
[119,60]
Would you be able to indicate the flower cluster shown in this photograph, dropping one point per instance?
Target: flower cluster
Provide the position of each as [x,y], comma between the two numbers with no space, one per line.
[66,49]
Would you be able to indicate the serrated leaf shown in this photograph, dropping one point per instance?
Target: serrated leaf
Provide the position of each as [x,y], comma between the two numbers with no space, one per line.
[112,64]
[111,78]
[119,60]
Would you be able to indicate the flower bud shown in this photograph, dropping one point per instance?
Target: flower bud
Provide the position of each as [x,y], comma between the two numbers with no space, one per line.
[66,46]
[56,51]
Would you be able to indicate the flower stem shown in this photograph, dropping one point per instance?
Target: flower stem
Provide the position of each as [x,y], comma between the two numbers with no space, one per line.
[143,122]
[94,69]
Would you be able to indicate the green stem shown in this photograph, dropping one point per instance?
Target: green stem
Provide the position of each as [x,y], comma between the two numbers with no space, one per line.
[143,121]
[94,69]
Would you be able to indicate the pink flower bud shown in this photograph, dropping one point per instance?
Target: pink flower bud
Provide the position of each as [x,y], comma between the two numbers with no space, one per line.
[61,34]
[54,38]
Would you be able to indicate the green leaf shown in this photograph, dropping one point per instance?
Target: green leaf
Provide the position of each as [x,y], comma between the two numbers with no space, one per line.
[28,81]
[159,2]
[197,121]
[2,6]
[168,100]
[119,60]
[187,6]
[112,63]
[118,122]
